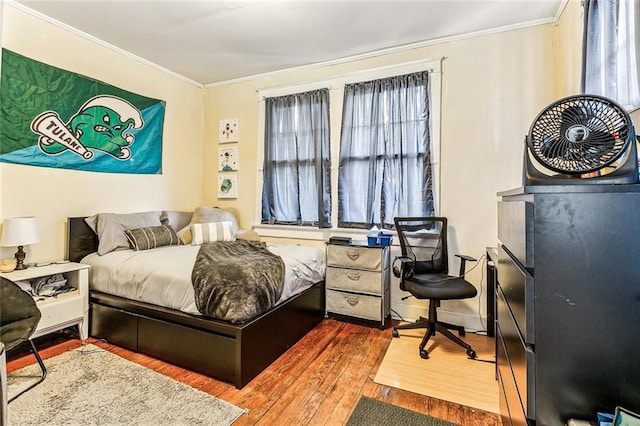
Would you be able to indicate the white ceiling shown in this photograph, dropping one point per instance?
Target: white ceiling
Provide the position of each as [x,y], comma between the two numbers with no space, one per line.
[213,41]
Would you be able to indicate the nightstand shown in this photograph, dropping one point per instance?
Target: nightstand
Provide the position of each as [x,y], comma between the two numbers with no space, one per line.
[357,282]
[65,309]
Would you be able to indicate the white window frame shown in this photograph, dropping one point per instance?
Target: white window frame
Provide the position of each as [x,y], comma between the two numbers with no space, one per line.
[336,92]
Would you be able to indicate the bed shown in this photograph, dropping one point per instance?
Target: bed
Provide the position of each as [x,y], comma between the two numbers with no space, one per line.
[234,353]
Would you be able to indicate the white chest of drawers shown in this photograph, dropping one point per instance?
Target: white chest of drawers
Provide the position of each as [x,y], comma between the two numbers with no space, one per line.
[357,282]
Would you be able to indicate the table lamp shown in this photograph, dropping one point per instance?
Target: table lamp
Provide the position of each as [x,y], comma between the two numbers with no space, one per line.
[19,231]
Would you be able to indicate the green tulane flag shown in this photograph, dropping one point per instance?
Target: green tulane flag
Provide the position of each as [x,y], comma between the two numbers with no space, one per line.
[50,117]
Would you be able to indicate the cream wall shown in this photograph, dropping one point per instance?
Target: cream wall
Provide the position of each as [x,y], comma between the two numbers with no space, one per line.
[52,194]
[492,88]
[568,49]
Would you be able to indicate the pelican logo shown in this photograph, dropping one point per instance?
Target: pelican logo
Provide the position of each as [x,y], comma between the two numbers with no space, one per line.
[101,123]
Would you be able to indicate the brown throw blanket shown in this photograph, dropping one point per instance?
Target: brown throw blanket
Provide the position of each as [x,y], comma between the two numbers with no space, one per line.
[236,280]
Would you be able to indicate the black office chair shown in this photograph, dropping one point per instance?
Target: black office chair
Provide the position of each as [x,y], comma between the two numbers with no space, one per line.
[423,270]
[19,317]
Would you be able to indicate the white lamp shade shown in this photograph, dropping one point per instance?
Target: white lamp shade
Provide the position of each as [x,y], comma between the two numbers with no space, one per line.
[19,231]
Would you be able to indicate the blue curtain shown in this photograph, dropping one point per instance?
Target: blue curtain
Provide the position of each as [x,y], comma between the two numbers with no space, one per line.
[297,162]
[611,60]
[385,161]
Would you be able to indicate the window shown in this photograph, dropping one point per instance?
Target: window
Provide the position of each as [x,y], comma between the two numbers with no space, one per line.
[296,179]
[611,51]
[376,141]
[385,164]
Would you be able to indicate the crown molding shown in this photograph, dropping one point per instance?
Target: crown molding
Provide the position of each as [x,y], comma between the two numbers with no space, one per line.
[101,42]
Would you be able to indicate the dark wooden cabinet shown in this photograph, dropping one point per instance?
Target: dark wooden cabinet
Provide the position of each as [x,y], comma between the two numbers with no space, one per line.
[491,272]
[568,302]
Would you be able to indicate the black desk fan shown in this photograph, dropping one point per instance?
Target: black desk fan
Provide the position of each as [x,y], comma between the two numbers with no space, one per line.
[582,139]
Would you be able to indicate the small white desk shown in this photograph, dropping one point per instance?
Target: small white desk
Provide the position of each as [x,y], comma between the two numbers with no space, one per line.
[66,309]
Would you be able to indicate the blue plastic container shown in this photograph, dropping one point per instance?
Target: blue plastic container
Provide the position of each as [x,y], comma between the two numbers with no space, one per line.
[381,240]
[385,239]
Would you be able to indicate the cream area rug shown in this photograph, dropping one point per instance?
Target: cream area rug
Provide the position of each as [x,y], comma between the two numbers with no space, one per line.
[91,386]
[448,374]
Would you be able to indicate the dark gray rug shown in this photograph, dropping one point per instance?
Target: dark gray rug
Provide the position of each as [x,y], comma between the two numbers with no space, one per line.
[373,412]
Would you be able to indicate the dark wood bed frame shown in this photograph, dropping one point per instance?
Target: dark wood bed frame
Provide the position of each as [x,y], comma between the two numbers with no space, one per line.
[219,349]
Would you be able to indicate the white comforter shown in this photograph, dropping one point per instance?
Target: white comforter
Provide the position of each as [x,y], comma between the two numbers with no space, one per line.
[162,276]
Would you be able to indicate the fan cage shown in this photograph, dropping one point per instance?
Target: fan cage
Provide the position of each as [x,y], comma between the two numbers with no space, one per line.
[580,134]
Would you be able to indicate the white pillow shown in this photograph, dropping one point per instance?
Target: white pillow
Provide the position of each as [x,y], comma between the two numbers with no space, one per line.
[203,233]
[204,214]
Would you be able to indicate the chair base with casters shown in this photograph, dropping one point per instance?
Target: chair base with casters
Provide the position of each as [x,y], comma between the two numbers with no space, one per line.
[433,325]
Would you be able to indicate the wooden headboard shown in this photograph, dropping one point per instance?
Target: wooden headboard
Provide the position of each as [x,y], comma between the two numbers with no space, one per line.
[81,240]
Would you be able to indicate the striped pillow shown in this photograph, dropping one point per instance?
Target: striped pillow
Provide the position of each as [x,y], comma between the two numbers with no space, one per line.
[152,237]
[202,233]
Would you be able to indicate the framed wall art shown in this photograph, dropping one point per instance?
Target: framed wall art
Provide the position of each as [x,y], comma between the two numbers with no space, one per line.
[227,185]
[228,130]
[228,159]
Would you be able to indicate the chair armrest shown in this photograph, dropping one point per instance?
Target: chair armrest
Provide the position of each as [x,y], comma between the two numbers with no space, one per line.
[463,260]
[465,257]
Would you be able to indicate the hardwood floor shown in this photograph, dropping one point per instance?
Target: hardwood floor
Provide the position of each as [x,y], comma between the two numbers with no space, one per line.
[317,382]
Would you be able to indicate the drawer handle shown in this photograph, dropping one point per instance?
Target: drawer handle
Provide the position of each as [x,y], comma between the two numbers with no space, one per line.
[353,277]
[353,255]
[353,301]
